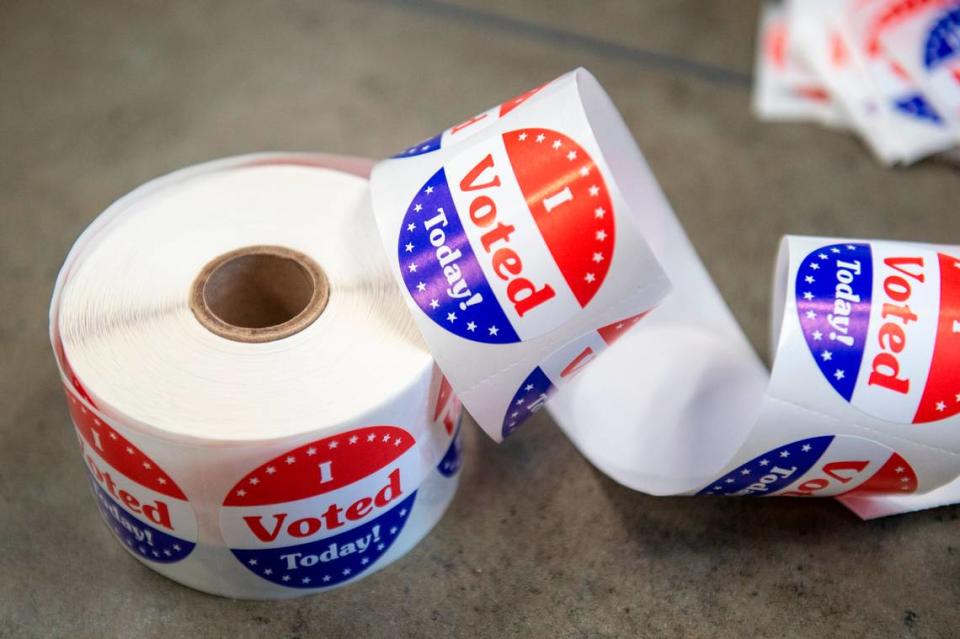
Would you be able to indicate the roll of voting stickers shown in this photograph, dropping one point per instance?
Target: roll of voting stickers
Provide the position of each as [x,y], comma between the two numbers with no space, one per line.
[256,411]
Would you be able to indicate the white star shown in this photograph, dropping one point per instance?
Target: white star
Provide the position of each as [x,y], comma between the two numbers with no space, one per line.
[601,235]
[252,562]
[541,137]
[745,471]
[785,454]
[730,481]
[397,441]
[823,256]
[494,330]
[815,266]
[956,264]
[584,170]
[268,571]
[167,553]
[403,513]
[418,208]
[346,571]
[113,435]
[386,438]
[129,450]
[599,212]
[471,326]
[839,374]
[176,547]
[519,401]
[254,481]
[514,414]
[851,247]
[834,250]
[326,578]
[305,580]
[380,546]
[817,335]
[905,480]
[313,451]
[290,459]
[941,406]
[421,287]
[434,303]
[241,492]
[354,439]
[522,136]
[333,444]
[826,356]
[271,470]
[556,144]
[805,448]
[572,155]
[958,397]
[411,226]
[365,561]
[286,577]
[899,469]
[428,190]
[811,314]
[371,437]
[594,190]
[425,147]
[528,387]
[147,465]
[408,248]
[598,257]
[764,462]
[809,279]
[412,267]
[451,317]
[808,295]
[161,481]
[589,277]
[393,530]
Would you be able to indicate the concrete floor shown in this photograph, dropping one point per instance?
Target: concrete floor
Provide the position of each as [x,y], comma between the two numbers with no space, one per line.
[98,99]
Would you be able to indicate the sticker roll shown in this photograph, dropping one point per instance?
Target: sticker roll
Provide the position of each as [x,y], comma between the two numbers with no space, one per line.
[258,415]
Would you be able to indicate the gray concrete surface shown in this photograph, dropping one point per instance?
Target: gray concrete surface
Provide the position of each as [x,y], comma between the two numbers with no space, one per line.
[101,96]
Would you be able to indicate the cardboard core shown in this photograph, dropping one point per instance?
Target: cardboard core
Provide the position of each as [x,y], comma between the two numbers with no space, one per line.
[259,294]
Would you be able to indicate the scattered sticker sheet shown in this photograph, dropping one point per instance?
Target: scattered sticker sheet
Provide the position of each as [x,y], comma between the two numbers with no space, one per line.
[888,70]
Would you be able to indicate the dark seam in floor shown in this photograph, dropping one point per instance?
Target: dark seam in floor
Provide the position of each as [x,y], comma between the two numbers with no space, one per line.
[645,57]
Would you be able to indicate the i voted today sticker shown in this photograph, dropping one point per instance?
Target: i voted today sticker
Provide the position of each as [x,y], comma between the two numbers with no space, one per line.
[323,513]
[139,502]
[825,466]
[558,368]
[510,239]
[882,321]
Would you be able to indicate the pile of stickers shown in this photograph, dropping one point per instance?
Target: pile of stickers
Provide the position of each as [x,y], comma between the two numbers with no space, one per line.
[887,69]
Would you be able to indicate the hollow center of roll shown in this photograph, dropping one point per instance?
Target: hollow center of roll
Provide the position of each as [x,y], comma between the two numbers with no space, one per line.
[259,293]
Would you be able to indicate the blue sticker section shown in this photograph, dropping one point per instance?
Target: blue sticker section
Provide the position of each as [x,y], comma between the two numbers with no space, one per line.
[943,41]
[917,106]
[441,271]
[772,471]
[452,460]
[528,399]
[140,538]
[834,285]
[427,146]
[331,560]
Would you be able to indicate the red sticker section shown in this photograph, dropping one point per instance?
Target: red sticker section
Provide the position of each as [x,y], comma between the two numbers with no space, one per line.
[570,203]
[941,395]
